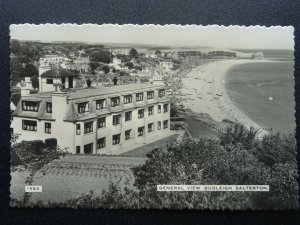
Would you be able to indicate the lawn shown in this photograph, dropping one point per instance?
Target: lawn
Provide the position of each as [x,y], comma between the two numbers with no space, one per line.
[74,175]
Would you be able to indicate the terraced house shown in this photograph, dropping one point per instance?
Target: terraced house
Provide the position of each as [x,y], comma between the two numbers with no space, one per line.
[95,120]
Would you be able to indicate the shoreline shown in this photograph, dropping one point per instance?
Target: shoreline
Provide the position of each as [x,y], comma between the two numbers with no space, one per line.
[204,91]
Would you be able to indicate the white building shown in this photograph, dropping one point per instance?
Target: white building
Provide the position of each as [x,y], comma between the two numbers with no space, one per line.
[166,65]
[158,78]
[98,120]
[82,64]
[50,80]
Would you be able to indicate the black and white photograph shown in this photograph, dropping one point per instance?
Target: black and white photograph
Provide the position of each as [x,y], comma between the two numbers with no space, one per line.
[152,117]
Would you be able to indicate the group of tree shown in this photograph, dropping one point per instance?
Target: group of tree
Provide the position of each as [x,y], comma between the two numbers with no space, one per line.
[101,56]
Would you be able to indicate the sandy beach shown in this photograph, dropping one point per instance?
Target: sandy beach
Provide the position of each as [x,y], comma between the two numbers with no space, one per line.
[204,91]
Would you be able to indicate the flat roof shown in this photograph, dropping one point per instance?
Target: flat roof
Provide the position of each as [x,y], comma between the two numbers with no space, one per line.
[76,93]
[102,90]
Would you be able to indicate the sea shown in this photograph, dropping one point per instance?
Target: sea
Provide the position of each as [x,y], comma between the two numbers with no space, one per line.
[264,91]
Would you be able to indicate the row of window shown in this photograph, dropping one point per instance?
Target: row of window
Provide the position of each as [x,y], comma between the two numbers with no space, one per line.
[101,122]
[100,104]
[115,101]
[101,142]
[34,106]
[88,127]
[31,125]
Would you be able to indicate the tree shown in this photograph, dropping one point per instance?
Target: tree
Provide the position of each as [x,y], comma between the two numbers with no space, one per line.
[157,52]
[122,73]
[106,69]
[15,47]
[173,109]
[101,56]
[29,71]
[129,65]
[26,50]
[35,81]
[16,69]
[94,65]
[115,80]
[133,53]
[88,83]
[25,59]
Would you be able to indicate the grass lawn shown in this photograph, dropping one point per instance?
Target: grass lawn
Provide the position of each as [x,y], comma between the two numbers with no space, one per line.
[74,175]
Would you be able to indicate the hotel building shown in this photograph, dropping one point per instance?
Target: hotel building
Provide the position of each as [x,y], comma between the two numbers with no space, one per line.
[95,120]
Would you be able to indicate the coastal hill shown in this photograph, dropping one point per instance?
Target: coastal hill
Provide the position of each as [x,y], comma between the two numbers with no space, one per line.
[241,55]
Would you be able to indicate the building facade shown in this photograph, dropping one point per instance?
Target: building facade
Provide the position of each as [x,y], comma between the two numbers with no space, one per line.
[98,120]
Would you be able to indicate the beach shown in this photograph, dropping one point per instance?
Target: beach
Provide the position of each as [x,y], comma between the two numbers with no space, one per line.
[204,91]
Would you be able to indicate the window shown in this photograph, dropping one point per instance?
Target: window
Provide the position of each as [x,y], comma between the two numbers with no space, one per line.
[49,81]
[115,101]
[161,93]
[127,99]
[29,125]
[166,106]
[141,131]
[30,106]
[150,110]
[128,116]
[116,119]
[77,149]
[141,113]
[159,108]
[139,97]
[101,143]
[48,128]
[159,125]
[166,124]
[88,149]
[116,139]
[49,107]
[102,122]
[150,94]
[127,134]
[83,107]
[78,129]
[88,127]
[150,127]
[100,104]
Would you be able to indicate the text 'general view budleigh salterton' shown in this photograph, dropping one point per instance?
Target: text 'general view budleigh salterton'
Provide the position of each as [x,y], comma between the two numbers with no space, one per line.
[144,116]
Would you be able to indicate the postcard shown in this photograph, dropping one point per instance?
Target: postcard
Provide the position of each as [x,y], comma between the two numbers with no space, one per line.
[153,117]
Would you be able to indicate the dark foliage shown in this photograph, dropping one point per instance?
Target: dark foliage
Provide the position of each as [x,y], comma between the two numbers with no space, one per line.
[238,157]
[133,53]
[101,56]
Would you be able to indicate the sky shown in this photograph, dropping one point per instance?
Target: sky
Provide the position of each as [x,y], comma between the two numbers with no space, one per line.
[236,37]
